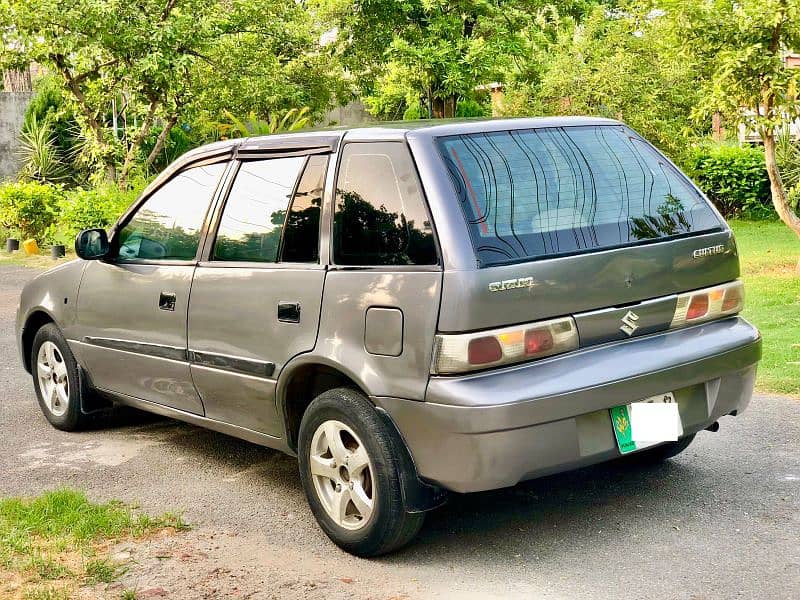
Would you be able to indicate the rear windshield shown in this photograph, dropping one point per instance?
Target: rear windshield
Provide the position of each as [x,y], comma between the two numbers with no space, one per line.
[533,193]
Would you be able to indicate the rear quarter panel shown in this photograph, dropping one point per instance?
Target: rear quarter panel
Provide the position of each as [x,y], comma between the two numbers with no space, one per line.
[348,294]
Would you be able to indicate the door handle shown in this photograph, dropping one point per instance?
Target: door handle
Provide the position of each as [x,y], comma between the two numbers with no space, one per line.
[289,312]
[166,301]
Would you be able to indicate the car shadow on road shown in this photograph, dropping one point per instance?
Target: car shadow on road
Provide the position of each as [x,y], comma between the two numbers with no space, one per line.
[597,503]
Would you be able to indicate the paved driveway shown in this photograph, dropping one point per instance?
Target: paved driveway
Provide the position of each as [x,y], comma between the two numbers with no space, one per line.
[719,521]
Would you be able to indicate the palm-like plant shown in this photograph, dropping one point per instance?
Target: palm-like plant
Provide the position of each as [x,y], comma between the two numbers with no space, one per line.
[292,120]
[39,154]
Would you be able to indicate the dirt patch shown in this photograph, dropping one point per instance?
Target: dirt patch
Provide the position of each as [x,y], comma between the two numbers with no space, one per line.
[207,564]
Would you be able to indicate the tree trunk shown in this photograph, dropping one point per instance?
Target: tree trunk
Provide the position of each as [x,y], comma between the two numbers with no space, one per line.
[130,155]
[779,199]
[438,108]
[162,138]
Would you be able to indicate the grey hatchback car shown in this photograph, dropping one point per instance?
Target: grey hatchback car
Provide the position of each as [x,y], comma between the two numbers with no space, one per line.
[412,310]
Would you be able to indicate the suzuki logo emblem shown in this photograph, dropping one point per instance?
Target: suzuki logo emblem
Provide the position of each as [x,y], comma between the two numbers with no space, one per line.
[629,322]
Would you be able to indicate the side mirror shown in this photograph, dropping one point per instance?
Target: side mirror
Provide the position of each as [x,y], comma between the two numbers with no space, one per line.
[92,244]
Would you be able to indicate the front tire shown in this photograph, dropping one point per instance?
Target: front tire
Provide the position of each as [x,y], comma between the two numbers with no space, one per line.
[56,380]
[351,475]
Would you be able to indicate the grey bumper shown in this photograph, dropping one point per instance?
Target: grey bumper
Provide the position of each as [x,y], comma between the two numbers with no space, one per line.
[494,429]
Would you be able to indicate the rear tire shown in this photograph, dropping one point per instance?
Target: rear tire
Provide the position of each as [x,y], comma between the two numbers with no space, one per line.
[661,453]
[351,475]
[56,380]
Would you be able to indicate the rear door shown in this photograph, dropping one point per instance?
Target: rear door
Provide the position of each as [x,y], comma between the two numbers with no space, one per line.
[584,220]
[256,296]
[132,309]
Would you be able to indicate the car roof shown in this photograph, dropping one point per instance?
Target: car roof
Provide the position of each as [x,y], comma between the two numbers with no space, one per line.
[327,139]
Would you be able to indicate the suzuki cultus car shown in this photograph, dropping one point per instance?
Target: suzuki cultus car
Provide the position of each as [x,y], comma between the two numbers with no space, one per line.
[410,310]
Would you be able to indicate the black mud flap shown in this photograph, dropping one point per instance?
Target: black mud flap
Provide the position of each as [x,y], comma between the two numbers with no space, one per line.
[418,496]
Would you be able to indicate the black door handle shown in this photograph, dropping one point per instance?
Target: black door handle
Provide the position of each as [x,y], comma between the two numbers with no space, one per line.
[289,312]
[166,301]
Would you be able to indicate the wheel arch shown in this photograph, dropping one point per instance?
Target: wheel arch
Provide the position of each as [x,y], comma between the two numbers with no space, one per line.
[36,319]
[303,380]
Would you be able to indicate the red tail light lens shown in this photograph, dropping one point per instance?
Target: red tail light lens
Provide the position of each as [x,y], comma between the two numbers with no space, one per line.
[709,303]
[698,307]
[538,340]
[484,350]
[464,352]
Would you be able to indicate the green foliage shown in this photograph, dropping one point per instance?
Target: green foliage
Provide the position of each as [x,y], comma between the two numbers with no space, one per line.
[50,103]
[99,207]
[412,113]
[293,120]
[436,50]
[29,208]
[468,108]
[69,514]
[735,180]
[622,64]
[39,154]
[156,62]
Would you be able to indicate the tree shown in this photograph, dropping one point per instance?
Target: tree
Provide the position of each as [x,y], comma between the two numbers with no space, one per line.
[156,61]
[434,50]
[619,63]
[744,43]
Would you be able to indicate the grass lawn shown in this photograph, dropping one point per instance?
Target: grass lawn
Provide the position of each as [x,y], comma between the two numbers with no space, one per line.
[769,253]
[54,544]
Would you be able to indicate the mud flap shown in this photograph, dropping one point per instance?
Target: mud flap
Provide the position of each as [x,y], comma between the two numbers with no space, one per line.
[418,496]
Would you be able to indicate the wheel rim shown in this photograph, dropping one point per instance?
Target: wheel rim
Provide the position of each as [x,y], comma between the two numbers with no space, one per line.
[53,380]
[342,474]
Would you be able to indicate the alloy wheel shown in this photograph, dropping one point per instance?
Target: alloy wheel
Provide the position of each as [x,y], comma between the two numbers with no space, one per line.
[53,378]
[343,475]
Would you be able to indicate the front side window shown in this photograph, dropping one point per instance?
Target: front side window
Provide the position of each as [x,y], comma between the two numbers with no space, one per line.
[380,216]
[254,215]
[167,225]
[560,190]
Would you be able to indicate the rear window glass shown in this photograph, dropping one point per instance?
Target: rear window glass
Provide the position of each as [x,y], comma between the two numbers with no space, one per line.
[550,191]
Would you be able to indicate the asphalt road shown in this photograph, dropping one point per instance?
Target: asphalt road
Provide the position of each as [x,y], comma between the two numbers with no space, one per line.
[720,521]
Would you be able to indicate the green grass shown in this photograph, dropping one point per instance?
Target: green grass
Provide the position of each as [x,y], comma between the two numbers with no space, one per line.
[769,253]
[54,543]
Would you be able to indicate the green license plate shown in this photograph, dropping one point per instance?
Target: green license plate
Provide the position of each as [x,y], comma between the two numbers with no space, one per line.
[621,421]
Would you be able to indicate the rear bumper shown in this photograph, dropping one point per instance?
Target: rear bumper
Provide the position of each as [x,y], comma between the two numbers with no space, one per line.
[494,429]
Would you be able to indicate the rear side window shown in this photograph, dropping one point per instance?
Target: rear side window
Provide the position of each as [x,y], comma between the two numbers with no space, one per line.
[167,225]
[301,235]
[545,192]
[380,216]
[254,214]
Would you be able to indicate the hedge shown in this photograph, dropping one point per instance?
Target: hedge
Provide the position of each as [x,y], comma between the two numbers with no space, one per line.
[50,213]
[735,180]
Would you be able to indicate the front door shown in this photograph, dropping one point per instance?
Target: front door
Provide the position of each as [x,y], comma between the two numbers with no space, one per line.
[255,300]
[132,309]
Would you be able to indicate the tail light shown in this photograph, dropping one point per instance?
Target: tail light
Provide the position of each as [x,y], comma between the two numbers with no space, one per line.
[709,303]
[460,353]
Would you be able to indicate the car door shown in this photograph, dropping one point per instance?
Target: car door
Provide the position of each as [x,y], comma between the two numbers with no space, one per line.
[256,296]
[132,308]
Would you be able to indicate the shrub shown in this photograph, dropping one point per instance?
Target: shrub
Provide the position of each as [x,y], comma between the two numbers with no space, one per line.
[472,108]
[29,209]
[99,207]
[735,179]
[412,113]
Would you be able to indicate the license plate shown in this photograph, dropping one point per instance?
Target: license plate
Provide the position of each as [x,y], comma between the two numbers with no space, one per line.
[645,423]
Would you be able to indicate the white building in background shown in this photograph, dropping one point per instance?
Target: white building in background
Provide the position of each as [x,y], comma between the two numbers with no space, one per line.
[747,136]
